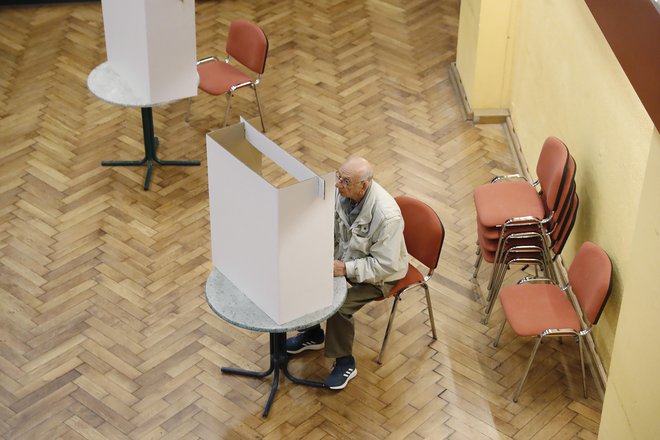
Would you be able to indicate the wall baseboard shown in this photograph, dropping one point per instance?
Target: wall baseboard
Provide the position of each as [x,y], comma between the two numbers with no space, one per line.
[478,116]
[490,116]
[457,85]
[40,2]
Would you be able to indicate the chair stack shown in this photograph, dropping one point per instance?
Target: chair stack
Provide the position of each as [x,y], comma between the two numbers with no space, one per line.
[526,223]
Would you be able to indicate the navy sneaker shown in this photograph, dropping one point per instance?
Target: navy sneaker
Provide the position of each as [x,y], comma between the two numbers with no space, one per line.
[343,371]
[312,339]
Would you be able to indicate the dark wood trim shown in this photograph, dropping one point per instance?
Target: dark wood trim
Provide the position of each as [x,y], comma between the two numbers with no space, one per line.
[632,29]
[457,84]
[40,2]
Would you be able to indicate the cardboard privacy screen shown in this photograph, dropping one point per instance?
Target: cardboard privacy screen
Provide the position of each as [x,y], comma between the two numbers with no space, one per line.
[275,244]
[151,46]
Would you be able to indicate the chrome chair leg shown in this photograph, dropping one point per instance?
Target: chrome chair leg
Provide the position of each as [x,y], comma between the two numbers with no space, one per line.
[493,293]
[499,333]
[584,376]
[529,364]
[477,265]
[496,268]
[430,307]
[499,272]
[187,116]
[224,123]
[263,127]
[387,330]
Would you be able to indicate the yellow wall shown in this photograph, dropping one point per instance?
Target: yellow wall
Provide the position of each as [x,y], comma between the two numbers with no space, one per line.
[632,401]
[565,81]
[483,52]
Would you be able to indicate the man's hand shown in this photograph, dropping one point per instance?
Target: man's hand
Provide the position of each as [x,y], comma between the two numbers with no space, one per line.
[339,268]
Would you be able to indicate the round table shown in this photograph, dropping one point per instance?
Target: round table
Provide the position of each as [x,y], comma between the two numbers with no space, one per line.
[108,86]
[230,304]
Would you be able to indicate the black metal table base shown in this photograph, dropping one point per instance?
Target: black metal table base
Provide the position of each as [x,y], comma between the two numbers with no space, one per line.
[150,147]
[279,360]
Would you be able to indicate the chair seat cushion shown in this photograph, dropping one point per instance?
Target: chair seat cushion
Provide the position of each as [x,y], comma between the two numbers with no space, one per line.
[534,308]
[489,250]
[494,233]
[217,77]
[490,240]
[413,276]
[495,203]
[527,256]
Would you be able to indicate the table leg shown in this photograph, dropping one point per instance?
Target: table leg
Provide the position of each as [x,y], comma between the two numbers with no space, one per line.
[150,147]
[279,359]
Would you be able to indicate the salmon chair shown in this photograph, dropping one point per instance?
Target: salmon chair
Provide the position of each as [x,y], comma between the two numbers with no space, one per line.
[512,211]
[247,44]
[528,248]
[424,235]
[535,307]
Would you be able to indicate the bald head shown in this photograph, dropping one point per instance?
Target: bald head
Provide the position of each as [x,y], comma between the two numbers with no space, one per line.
[354,178]
[359,168]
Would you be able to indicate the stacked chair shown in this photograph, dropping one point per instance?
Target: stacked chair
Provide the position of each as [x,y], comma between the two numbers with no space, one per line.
[526,223]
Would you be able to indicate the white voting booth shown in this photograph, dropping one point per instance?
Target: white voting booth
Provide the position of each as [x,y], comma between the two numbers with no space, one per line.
[151,47]
[275,244]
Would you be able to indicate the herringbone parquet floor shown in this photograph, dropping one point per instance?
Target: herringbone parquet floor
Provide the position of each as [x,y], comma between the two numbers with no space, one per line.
[105,329]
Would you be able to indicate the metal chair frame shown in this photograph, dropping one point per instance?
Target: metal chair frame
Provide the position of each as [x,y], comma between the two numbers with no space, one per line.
[397,298]
[502,262]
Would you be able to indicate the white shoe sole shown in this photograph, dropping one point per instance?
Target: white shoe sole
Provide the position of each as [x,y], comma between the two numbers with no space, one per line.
[342,386]
[308,347]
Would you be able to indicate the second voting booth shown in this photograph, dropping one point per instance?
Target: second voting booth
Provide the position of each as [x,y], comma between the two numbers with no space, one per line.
[151,47]
[275,244]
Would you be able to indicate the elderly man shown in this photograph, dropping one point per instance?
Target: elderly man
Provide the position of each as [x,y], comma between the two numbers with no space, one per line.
[369,251]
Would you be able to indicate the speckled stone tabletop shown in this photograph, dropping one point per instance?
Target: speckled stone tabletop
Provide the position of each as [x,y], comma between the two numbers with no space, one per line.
[108,86]
[233,306]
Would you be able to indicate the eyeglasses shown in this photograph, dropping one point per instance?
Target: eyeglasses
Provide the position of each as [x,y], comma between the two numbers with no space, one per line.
[343,181]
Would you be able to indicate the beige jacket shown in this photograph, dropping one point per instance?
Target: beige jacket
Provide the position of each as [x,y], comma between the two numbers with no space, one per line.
[372,247]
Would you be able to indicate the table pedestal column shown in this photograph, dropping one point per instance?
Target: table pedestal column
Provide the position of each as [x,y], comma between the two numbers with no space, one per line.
[279,360]
[150,147]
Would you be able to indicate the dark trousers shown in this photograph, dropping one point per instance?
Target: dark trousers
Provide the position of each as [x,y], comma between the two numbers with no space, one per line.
[340,327]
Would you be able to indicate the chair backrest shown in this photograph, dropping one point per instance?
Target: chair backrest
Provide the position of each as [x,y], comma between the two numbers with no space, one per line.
[563,229]
[568,188]
[423,232]
[590,276]
[552,171]
[247,44]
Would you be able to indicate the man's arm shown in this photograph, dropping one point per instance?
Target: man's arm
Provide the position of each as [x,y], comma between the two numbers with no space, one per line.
[384,257]
[339,269]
